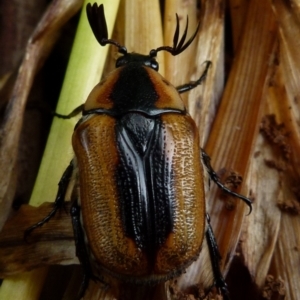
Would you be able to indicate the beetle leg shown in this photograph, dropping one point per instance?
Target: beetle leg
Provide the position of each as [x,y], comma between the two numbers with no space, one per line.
[215,178]
[59,201]
[72,114]
[81,251]
[215,260]
[189,86]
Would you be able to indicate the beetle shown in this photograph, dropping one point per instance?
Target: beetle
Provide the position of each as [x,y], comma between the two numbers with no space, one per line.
[140,214]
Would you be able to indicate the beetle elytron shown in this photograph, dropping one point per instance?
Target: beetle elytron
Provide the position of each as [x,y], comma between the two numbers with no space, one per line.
[140,214]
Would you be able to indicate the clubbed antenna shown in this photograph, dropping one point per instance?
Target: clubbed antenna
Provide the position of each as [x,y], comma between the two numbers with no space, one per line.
[177,47]
[97,22]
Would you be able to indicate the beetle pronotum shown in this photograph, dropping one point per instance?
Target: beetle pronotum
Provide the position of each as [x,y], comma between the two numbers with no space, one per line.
[140,213]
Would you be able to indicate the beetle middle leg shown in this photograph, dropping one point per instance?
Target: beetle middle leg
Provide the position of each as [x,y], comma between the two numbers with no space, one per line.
[191,85]
[215,258]
[81,251]
[59,201]
[215,178]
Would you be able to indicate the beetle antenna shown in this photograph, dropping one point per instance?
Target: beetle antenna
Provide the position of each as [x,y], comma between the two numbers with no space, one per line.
[97,22]
[177,47]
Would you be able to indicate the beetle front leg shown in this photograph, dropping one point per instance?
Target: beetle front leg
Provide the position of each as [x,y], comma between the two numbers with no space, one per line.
[72,114]
[191,85]
[215,258]
[215,178]
[59,201]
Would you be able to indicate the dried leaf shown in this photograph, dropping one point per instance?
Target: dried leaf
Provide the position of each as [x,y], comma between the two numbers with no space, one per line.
[53,243]
[232,139]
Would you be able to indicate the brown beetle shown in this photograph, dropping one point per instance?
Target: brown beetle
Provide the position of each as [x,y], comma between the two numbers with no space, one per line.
[140,215]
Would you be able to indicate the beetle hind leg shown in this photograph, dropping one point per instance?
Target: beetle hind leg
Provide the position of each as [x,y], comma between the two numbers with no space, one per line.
[59,201]
[215,260]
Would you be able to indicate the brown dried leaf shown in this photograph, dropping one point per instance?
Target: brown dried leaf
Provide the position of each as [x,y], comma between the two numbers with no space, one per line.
[204,100]
[50,244]
[238,13]
[271,240]
[262,226]
[286,259]
[232,139]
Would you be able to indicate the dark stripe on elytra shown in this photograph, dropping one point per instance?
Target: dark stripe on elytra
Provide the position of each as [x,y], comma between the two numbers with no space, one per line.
[146,218]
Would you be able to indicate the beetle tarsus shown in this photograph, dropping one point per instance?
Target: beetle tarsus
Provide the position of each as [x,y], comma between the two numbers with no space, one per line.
[191,85]
[215,261]
[215,178]
[40,223]
[59,201]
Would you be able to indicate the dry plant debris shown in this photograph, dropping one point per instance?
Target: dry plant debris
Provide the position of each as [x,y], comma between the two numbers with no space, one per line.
[274,289]
[277,135]
[196,292]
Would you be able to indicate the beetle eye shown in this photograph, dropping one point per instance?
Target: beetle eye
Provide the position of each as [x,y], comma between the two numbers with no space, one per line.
[151,63]
[154,65]
[121,61]
[137,58]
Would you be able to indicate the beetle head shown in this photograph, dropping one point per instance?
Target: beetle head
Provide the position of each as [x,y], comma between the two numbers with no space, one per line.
[97,22]
[145,60]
